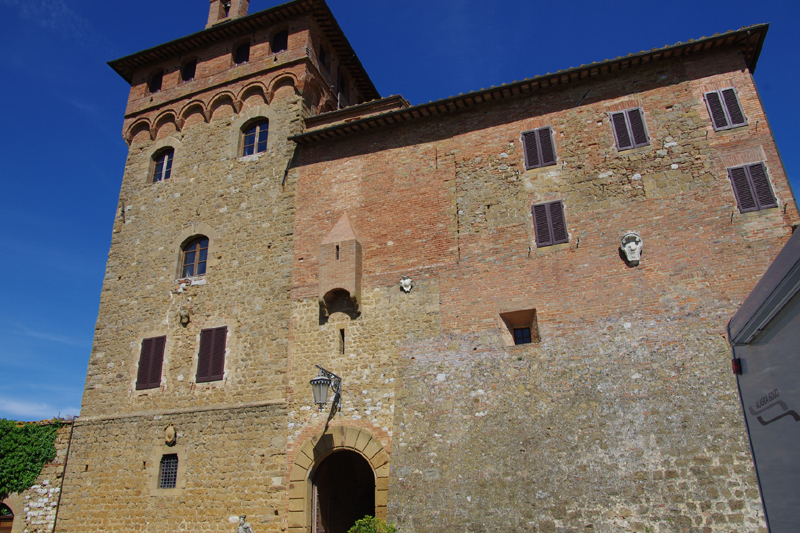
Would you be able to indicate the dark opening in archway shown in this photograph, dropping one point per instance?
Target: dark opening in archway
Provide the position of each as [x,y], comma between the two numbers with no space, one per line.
[344,491]
[6,518]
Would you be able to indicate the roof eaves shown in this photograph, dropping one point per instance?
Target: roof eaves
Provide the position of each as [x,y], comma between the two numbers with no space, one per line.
[435,107]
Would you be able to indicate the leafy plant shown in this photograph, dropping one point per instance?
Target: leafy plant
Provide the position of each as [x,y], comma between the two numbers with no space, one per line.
[369,524]
[24,449]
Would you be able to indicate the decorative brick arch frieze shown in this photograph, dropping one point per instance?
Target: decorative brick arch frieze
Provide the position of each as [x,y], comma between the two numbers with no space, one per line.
[286,79]
[252,89]
[162,120]
[140,125]
[195,106]
[311,454]
[197,228]
[223,98]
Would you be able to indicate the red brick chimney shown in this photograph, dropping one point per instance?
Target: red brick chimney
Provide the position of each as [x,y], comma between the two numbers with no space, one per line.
[223,10]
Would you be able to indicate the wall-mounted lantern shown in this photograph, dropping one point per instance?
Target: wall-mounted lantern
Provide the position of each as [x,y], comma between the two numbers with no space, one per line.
[320,385]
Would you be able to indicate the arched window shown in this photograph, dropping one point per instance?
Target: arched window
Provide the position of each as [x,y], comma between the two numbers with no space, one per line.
[242,54]
[6,518]
[162,164]
[194,257]
[154,85]
[254,139]
[280,42]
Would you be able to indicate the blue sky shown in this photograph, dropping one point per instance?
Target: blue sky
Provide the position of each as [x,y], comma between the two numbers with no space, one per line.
[62,155]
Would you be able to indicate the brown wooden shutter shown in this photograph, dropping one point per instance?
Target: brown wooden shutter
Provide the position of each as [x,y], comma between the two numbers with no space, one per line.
[211,356]
[761,186]
[531,150]
[621,131]
[150,361]
[546,144]
[558,225]
[734,109]
[541,224]
[548,221]
[716,111]
[638,130]
[741,188]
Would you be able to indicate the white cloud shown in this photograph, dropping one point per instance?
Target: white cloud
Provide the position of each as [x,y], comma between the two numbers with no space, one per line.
[61,339]
[25,410]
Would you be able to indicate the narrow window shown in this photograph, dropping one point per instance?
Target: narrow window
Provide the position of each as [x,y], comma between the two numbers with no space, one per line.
[162,164]
[188,70]
[724,109]
[195,256]
[226,6]
[549,224]
[752,188]
[629,129]
[337,252]
[242,54]
[211,357]
[154,85]
[280,42]
[539,148]
[255,138]
[150,362]
[323,57]
[522,335]
[168,471]
[341,340]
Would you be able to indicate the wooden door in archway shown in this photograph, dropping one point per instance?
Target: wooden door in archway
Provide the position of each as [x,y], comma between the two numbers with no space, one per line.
[343,492]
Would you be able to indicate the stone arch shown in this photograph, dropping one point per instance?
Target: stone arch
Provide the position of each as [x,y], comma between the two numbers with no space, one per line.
[193,113]
[313,95]
[137,129]
[16,504]
[311,454]
[165,124]
[253,91]
[225,98]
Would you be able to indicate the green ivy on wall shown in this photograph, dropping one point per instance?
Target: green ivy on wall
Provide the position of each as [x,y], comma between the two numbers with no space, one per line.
[24,449]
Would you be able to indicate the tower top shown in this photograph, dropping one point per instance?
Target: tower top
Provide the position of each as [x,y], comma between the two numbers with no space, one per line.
[224,10]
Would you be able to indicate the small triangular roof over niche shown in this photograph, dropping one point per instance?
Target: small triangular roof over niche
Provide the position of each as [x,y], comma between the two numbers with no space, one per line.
[342,231]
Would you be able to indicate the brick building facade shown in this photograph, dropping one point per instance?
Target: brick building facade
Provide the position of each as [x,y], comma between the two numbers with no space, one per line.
[505,366]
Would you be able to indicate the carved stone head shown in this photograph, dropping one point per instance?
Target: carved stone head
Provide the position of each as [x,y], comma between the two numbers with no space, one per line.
[406,284]
[631,246]
[169,435]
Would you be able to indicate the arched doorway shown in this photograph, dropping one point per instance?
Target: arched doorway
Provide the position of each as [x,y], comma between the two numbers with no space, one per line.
[6,518]
[343,492]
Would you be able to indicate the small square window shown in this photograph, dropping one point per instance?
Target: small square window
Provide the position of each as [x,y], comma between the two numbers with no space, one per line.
[522,335]
[154,85]
[188,71]
[280,42]
[168,471]
[242,54]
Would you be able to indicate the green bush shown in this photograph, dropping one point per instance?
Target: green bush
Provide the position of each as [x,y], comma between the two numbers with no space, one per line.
[24,449]
[369,524]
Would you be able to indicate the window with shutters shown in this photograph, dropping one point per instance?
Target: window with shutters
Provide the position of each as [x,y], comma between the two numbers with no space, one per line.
[211,357]
[194,257]
[254,137]
[162,164]
[724,109]
[751,187]
[629,129]
[150,361]
[539,148]
[549,224]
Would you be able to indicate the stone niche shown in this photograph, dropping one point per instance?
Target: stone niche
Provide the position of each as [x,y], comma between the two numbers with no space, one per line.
[340,271]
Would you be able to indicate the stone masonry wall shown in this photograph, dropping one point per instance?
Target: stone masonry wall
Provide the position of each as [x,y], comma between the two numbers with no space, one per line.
[233,463]
[624,417]
[35,509]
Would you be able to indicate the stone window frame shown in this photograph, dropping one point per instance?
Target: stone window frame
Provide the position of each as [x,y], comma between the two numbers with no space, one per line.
[159,147]
[516,319]
[258,125]
[248,116]
[194,245]
[166,153]
[154,470]
[194,230]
